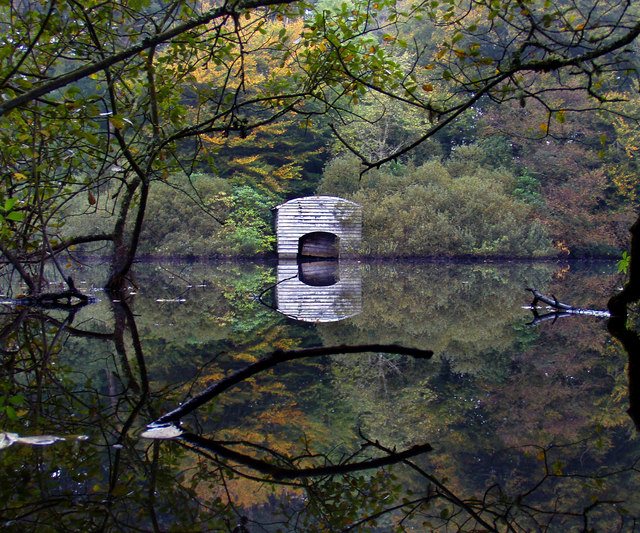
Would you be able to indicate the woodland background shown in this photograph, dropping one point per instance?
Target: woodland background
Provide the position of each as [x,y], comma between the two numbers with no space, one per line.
[197,140]
[497,184]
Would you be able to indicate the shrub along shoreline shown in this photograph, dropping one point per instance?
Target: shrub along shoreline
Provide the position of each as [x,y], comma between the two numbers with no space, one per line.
[459,207]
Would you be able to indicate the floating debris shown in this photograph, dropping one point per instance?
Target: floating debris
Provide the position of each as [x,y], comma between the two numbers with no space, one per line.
[161,431]
[7,439]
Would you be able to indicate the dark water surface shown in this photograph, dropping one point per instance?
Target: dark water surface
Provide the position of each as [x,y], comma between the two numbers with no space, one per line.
[527,424]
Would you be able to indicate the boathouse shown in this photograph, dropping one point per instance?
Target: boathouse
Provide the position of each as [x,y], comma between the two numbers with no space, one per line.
[325,227]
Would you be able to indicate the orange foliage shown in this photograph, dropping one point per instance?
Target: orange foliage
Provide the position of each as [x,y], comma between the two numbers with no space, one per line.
[247,493]
[264,152]
[576,217]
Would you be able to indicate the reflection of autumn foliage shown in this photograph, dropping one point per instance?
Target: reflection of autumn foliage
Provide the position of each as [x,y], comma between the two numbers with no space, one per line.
[239,491]
[254,454]
[543,405]
[427,304]
[485,401]
[554,393]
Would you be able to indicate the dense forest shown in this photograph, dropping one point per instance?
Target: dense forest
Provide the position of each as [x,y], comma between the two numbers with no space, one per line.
[482,128]
[507,179]
[496,186]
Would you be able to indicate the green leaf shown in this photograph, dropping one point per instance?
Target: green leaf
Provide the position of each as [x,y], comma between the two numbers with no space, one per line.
[557,468]
[117,122]
[17,399]
[89,137]
[623,264]
[11,413]
[15,216]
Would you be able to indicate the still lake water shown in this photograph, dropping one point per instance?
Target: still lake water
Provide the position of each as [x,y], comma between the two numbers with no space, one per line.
[527,424]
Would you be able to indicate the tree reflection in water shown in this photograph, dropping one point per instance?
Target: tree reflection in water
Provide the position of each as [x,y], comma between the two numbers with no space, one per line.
[212,477]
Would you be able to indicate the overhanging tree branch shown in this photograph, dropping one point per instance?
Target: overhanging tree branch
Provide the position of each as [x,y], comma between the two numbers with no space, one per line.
[510,66]
[228,9]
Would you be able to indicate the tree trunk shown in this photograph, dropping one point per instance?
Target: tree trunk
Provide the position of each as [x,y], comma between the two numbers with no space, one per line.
[621,330]
[124,253]
[631,292]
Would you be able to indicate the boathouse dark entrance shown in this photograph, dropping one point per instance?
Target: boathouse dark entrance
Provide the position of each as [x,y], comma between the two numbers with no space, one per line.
[320,244]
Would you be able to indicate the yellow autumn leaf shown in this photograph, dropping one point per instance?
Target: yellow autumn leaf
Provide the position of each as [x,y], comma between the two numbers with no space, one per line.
[246,160]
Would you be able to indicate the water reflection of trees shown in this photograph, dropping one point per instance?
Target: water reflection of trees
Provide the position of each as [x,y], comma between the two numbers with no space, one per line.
[110,387]
[115,482]
[471,400]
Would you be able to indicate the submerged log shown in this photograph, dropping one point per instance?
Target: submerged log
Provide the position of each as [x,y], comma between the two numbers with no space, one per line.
[559,309]
[65,300]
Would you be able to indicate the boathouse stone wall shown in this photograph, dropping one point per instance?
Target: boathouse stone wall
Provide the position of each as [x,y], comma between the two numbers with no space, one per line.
[318,215]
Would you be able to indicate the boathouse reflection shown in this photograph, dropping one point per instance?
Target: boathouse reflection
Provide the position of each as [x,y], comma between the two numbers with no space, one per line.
[319,291]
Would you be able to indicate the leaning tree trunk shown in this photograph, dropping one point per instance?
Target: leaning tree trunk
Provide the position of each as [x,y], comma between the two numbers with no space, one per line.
[124,250]
[618,325]
[631,292]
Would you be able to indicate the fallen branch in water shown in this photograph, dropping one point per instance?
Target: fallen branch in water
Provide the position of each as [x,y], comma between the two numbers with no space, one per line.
[167,426]
[559,309]
[65,300]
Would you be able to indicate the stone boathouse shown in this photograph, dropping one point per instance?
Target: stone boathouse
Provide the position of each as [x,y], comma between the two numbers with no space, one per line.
[318,227]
